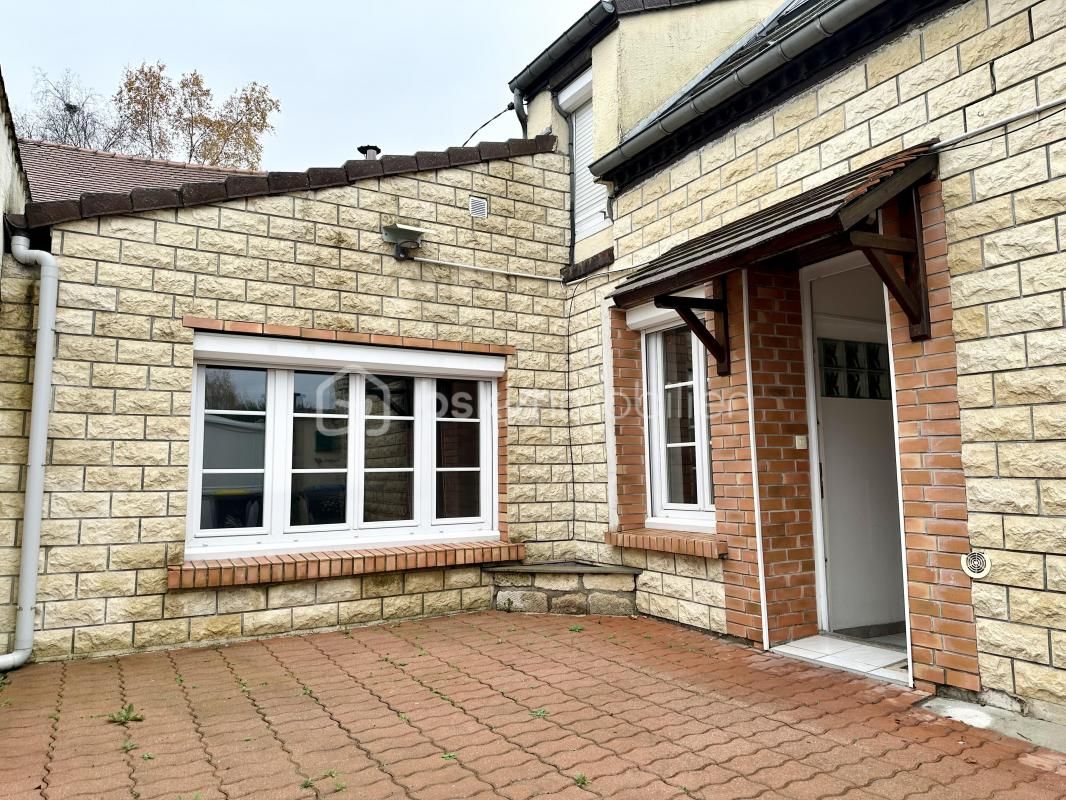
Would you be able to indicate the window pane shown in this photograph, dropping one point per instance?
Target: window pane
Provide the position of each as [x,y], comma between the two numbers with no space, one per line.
[233,500]
[319,443]
[389,396]
[234,441]
[677,355]
[389,444]
[318,499]
[233,389]
[457,399]
[458,444]
[680,419]
[458,494]
[681,475]
[388,496]
[321,393]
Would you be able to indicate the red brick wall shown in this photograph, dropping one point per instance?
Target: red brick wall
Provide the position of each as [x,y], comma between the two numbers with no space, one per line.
[777,366]
[627,374]
[943,632]
[732,475]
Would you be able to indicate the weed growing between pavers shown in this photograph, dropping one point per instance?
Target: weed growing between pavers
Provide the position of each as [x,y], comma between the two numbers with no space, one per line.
[125,715]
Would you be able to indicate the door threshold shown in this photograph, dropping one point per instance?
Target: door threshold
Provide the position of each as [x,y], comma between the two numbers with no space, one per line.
[883,661]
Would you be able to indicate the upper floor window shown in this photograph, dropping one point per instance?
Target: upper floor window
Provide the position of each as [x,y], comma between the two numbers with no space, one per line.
[589,197]
[294,457]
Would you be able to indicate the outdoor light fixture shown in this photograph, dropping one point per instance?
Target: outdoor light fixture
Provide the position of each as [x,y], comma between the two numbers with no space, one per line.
[405,237]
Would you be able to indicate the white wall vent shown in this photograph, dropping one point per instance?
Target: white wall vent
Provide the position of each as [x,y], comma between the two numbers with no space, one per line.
[479,207]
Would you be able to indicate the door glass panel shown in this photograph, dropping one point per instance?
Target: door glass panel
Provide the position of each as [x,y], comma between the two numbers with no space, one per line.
[318,498]
[458,494]
[388,496]
[234,441]
[234,389]
[681,475]
[231,500]
[319,443]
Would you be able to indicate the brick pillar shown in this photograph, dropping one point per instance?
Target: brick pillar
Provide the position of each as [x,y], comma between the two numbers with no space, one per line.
[779,385]
[627,374]
[731,470]
[943,631]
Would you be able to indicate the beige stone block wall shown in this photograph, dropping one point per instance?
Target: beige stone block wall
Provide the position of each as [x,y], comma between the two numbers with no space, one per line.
[1006,226]
[118,451]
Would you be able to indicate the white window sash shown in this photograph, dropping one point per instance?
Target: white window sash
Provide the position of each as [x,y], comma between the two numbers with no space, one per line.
[661,511]
[278,535]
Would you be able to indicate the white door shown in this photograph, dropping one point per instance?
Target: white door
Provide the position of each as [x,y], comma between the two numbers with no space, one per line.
[860,503]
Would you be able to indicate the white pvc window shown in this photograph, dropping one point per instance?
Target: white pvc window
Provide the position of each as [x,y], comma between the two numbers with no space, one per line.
[678,430]
[291,459]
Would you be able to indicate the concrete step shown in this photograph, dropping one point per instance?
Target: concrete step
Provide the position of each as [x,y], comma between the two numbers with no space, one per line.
[569,587]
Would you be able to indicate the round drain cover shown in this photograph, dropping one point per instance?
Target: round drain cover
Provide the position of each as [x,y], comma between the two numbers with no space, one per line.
[976,564]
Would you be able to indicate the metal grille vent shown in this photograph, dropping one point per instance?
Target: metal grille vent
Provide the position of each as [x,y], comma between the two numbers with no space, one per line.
[479,207]
[976,565]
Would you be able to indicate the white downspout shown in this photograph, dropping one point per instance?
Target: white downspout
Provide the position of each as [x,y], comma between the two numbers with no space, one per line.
[34,498]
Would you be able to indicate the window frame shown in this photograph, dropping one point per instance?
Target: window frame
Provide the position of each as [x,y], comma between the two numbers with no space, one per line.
[699,516]
[282,359]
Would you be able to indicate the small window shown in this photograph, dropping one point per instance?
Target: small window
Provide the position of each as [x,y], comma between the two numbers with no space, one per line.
[855,370]
[678,429]
[291,459]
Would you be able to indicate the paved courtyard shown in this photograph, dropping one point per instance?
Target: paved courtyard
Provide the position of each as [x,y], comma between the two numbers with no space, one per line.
[492,705]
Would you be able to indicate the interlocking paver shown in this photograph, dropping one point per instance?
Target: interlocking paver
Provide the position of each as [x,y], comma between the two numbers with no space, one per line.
[494,705]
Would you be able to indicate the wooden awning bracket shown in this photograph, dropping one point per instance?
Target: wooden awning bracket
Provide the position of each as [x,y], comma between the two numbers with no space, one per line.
[717,343]
[911,289]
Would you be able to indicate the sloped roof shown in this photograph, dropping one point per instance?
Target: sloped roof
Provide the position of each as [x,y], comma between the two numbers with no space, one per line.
[63,172]
[813,221]
[113,184]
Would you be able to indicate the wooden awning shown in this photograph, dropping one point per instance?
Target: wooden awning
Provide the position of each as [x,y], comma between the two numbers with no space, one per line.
[838,217]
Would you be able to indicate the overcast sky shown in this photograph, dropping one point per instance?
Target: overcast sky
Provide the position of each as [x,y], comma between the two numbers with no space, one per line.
[406,75]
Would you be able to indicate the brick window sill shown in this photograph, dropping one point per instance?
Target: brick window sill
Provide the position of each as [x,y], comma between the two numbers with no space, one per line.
[703,545]
[212,573]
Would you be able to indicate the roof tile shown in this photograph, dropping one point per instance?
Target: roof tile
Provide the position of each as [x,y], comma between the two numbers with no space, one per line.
[362,168]
[93,204]
[432,160]
[71,183]
[463,155]
[494,150]
[196,194]
[147,199]
[49,213]
[393,165]
[246,185]
[325,177]
[287,181]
